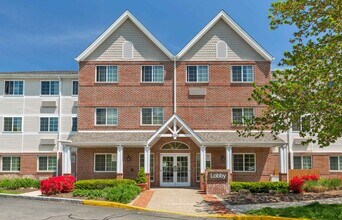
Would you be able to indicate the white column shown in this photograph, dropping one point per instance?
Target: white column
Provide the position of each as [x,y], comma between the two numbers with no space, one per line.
[283,159]
[66,160]
[229,158]
[290,143]
[147,158]
[203,156]
[119,159]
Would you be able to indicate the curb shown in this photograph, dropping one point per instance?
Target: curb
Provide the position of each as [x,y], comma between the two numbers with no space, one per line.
[42,198]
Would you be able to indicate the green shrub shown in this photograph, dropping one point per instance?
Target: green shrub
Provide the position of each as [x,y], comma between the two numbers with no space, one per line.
[259,187]
[332,184]
[13,184]
[102,183]
[313,186]
[122,194]
[89,193]
[141,177]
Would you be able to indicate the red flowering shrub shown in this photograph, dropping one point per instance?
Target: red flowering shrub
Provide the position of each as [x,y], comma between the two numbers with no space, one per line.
[58,184]
[297,182]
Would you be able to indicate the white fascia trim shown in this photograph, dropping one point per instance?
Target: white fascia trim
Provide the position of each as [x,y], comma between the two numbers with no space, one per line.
[236,28]
[117,131]
[116,25]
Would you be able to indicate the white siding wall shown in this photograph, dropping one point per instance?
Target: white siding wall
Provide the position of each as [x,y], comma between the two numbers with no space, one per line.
[237,48]
[111,48]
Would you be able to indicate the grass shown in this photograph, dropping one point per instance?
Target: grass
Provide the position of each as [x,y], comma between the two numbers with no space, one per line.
[10,192]
[312,211]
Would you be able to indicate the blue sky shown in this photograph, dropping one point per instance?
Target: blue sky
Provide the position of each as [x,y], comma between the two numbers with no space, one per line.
[48,35]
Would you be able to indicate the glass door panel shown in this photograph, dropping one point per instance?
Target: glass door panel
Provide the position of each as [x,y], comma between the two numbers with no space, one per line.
[182,169]
[167,170]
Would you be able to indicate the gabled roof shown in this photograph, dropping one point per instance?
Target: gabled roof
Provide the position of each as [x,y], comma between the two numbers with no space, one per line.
[126,15]
[225,17]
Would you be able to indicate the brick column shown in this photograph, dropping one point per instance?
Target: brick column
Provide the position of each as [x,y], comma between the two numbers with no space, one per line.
[148,181]
[119,176]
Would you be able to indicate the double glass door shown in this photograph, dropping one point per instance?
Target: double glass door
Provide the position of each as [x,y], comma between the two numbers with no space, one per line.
[175,170]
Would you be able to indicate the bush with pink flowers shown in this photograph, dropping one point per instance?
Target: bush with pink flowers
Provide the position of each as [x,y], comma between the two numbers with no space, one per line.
[297,182]
[58,184]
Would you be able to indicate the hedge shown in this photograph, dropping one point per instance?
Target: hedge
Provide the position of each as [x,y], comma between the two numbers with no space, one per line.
[260,187]
[102,183]
[17,183]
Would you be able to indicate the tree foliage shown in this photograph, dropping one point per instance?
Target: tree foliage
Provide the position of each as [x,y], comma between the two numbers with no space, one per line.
[312,85]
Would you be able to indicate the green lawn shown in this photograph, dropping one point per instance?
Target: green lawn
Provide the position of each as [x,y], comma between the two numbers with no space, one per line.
[10,192]
[311,211]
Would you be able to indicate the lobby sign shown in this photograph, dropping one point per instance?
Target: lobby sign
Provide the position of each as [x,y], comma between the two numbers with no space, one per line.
[217,176]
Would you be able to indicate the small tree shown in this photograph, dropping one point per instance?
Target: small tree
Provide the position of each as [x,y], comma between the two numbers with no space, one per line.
[141,177]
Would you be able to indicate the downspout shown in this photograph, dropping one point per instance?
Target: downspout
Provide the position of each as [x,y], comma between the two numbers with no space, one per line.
[174,86]
[59,123]
[290,144]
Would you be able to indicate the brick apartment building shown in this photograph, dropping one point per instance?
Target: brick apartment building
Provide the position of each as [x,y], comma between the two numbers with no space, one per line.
[176,115]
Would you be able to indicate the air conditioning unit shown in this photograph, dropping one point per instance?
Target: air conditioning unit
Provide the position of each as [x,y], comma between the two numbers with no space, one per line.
[197,91]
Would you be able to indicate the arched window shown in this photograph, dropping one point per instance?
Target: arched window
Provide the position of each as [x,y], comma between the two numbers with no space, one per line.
[175,145]
[221,50]
[127,50]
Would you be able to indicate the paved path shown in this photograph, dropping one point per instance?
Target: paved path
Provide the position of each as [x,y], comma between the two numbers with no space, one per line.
[179,200]
[33,193]
[22,209]
[244,208]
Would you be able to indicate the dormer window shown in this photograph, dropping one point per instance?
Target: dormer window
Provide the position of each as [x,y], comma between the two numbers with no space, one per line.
[221,50]
[127,50]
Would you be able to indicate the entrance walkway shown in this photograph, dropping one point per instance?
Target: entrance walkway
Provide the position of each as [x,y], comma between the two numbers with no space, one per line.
[190,201]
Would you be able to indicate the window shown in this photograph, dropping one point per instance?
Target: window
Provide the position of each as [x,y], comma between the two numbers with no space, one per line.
[175,145]
[152,73]
[107,74]
[49,124]
[141,165]
[12,124]
[74,87]
[106,116]
[198,165]
[49,88]
[152,116]
[197,73]
[14,87]
[242,115]
[10,163]
[336,163]
[74,124]
[221,50]
[244,162]
[242,74]
[302,162]
[105,162]
[47,163]
[127,50]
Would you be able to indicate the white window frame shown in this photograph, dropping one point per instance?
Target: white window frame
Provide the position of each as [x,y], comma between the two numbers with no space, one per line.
[300,123]
[153,165]
[221,58]
[141,124]
[48,124]
[231,74]
[141,74]
[47,165]
[107,74]
[339,168]
[10,95]
[72,87]
[206,156]
[301,161]
[243,122]
[122,49]
[22,122]
[186,74]
[244,169]
[113,155]
[117,115]
[59,87]
[11,166]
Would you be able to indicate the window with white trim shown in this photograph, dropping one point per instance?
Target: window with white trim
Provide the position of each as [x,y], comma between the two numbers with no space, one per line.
[74,124]
[49,124]
[106,116]
[47,163]
[152,74]
[302,162]
[10,164]
[142,164]
[303,124]
[105,163]
[49,87]
[198,74]
[14,87]
[12,124]
[198,165]
[221,50]
[336,163]
[107,74]
[244,162]
[242,115]
[152,116]
[242,73]
[75,87]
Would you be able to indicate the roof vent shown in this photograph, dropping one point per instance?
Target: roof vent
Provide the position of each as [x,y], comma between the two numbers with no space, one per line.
[127,50]
[221,50]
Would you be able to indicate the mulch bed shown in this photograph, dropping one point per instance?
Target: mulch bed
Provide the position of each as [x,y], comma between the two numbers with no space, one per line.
[236,198]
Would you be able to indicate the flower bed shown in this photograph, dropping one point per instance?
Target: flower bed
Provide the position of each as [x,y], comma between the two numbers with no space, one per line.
[18,183]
